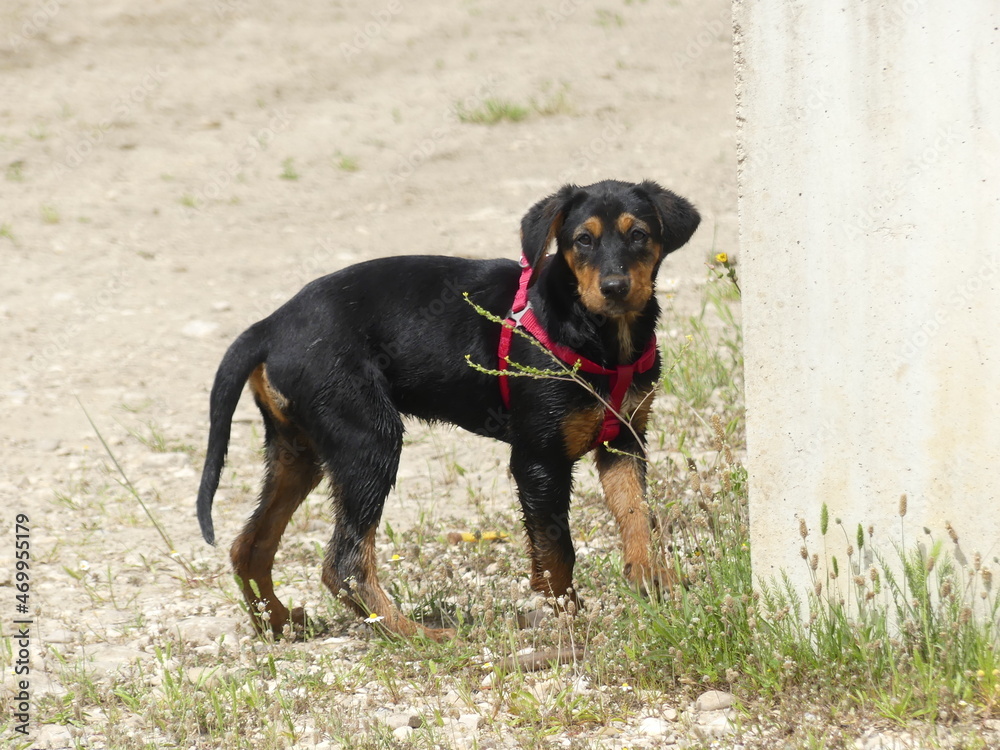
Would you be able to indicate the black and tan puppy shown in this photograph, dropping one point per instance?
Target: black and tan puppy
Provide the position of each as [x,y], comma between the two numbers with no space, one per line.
[334,370]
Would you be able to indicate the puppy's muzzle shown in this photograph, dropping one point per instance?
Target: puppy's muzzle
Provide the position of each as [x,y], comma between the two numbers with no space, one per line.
[616,288]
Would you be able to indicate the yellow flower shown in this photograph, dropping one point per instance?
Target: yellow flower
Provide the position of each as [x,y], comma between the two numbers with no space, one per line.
[395,558]
[373,618]
[722,258]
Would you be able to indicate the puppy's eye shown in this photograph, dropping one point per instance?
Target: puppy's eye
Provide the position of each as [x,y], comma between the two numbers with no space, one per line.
[584,240]
[638,235]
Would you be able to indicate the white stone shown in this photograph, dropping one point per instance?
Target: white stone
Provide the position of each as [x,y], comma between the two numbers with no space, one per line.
[402,733]
[543,690]
[205,630]
[472,721]
[653,726]
[395,721]
[199,329]
[206,677]
[714,724]
[713,700]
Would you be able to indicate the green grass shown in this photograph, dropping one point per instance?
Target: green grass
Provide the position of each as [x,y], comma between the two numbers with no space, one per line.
[609,19]
[15,171]
[288,171]
[554,101]
[153,437]
[49,214]
[703,373]
[346,163]
[493,111]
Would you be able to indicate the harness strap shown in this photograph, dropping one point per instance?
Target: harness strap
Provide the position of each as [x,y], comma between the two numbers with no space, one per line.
[620,378]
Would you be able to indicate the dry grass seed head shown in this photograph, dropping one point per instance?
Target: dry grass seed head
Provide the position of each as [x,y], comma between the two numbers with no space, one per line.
[718,435]
[695,481]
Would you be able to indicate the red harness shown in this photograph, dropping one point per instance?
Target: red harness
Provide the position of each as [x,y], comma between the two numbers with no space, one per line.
[620,378]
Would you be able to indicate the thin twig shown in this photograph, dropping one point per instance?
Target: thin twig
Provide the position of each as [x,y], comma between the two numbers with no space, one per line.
[127,484]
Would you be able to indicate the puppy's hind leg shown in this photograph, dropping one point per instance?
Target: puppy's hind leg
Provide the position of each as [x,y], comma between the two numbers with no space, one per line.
[363,469]
[291,472]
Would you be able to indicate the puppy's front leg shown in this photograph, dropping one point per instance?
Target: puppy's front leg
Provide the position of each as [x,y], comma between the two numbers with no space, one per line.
[623,476]
[544,483]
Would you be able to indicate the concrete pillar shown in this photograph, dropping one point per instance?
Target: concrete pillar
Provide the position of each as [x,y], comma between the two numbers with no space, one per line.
[869,177]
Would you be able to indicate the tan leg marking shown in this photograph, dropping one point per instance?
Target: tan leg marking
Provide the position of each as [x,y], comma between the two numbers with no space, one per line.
[268,396]
[579,429]
[286,485]
[624,484]
[551,574]
[624,492]
[367,597]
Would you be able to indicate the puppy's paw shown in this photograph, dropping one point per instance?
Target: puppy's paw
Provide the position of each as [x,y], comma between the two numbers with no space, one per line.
[440,635]
[652,580]
[298,618]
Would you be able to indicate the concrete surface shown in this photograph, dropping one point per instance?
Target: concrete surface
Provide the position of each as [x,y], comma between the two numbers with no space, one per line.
[869,178]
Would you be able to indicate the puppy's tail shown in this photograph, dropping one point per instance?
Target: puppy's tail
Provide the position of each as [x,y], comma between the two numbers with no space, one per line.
[248,351]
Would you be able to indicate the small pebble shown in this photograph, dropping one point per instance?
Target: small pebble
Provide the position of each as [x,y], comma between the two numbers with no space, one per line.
[472,721]
[653,726]
[713,700]
[402,733]
[199,329]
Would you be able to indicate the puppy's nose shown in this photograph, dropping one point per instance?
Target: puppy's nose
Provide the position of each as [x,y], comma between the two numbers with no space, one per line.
[615,287]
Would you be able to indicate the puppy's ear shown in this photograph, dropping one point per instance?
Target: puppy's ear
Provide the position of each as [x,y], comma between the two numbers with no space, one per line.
[678,218]
[542,223]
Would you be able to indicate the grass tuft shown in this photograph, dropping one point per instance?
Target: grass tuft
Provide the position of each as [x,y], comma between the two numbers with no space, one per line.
[288,171]
[493,111]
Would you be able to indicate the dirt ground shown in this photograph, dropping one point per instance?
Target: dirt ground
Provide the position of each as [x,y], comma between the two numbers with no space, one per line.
[174,170]
[173,175]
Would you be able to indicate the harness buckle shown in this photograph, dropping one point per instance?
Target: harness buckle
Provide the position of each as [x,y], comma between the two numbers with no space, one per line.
[516,316]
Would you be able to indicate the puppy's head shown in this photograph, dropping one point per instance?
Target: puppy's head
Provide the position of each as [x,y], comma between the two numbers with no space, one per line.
[612,236]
